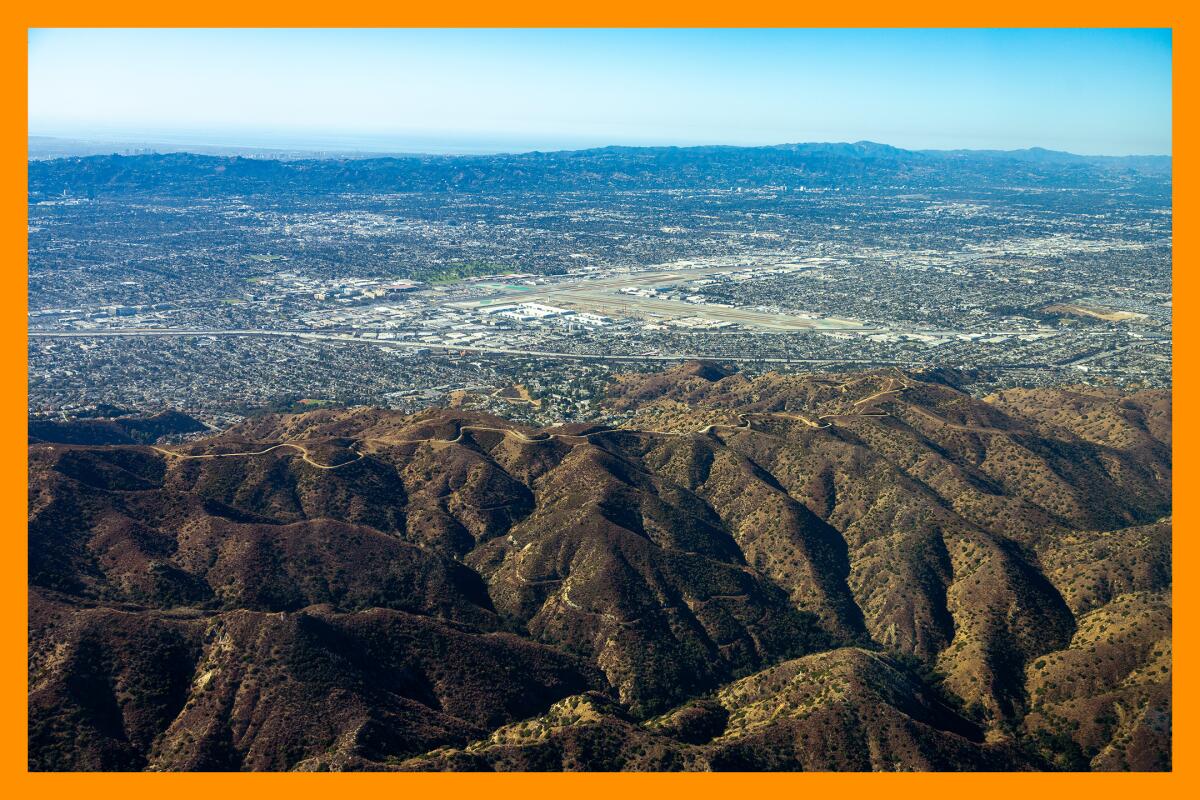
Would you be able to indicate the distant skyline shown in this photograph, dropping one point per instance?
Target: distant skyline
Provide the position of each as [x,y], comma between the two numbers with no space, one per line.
[1095,92]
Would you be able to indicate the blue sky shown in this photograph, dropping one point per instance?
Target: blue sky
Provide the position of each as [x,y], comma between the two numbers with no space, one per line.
[1086,91]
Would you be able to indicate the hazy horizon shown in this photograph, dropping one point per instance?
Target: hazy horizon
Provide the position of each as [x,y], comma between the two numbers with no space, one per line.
[1090,92]
[450,145]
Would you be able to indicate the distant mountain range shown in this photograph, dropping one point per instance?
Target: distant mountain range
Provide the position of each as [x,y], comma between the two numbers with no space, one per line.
[814,165]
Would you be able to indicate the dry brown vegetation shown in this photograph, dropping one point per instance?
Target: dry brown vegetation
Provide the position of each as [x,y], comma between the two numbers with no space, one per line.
[867,571]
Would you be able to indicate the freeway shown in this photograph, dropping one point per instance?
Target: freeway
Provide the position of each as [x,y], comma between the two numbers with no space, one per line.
[450,348]
[1088,358]
[326,335]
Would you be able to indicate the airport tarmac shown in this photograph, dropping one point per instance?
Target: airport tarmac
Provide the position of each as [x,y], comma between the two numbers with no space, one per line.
[604,296]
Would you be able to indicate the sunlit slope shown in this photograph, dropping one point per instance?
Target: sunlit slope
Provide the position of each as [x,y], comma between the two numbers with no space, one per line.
[844,571]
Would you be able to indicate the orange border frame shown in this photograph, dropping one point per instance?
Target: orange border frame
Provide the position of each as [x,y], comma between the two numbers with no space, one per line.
[544,13]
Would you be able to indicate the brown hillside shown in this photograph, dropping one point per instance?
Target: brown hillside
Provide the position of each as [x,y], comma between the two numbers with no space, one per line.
[862,571]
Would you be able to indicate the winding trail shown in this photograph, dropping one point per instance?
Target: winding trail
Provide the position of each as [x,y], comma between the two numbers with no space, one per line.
[955,425]
[897,386]
[463,429]
[743,424]
[304,454]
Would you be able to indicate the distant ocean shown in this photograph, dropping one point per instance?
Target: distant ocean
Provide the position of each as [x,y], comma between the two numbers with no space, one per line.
[50,144]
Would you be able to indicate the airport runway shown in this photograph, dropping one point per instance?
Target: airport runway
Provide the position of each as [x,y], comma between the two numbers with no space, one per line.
[604,296]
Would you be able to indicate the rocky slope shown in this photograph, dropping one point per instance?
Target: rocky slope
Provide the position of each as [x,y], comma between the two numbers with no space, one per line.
[862,571]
